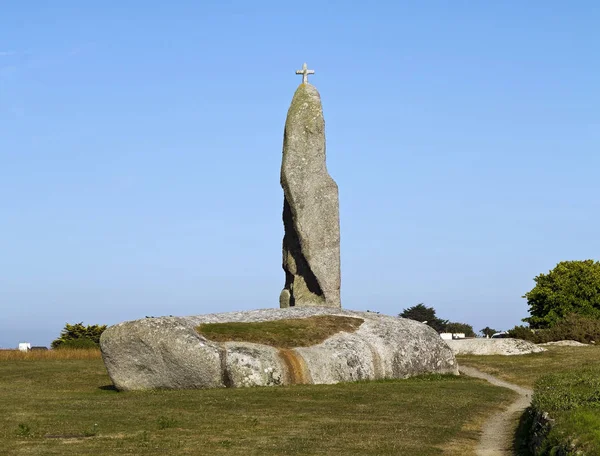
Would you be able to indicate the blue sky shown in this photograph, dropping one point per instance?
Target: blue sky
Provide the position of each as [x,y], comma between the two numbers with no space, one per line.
[140,147]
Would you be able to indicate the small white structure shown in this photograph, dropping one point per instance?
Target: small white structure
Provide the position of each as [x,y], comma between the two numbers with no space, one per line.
[24,346]
[450,336]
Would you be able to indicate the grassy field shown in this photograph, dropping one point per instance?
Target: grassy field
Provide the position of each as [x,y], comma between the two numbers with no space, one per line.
[524,370]
[61,402]
[580,427]
[572,399]
[566,382]
[67,406]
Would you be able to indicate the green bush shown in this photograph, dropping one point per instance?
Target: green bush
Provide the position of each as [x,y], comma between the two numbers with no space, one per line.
[525,333]
[82,344]
[79,336]
[572,400]
[572,327]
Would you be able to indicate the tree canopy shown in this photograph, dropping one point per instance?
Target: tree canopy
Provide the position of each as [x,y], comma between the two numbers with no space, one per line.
[454,327]
[79,336]
[423,314]
[572,287]
[487,331]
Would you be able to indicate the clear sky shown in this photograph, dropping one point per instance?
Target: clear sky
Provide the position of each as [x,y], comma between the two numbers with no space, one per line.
[140,148]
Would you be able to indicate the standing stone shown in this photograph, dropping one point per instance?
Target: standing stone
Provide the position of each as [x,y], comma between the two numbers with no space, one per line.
[311,244]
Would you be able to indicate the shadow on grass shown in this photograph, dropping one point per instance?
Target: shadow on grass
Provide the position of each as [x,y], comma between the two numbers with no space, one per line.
[108,388]
[521,438]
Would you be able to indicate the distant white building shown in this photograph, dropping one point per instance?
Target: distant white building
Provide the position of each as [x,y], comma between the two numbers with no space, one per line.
[24,346]
[450,336]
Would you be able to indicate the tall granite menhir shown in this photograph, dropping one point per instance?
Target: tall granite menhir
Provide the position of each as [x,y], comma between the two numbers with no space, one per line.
[311,244]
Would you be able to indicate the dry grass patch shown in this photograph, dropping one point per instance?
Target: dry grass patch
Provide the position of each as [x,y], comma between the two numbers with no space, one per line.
[60,354]
[466,441]
[289,333]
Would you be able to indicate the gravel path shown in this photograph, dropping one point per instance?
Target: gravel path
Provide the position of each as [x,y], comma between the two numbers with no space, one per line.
[498,431]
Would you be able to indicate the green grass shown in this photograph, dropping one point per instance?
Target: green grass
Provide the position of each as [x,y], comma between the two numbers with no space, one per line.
[568,390]
[566,382]
[580,426]
[524,370]
[289,333]
[57,407]
[572,399]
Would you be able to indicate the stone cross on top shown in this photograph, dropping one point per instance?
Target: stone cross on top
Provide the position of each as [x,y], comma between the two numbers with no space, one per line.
[305,72]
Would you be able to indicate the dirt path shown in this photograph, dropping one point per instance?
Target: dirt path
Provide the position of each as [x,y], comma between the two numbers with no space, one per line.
[498,431]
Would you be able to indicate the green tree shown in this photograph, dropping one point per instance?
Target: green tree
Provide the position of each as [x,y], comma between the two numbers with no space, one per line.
[424,314]
[488,332]
[79,336]
[572,287]
[454,327]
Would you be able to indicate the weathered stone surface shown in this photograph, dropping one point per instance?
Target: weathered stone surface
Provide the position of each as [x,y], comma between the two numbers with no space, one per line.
[493,347]
[158,353]
[311,244]
[248,364]
[168,352]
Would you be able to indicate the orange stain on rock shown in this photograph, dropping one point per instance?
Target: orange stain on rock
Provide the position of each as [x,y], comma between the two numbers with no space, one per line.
[295,367]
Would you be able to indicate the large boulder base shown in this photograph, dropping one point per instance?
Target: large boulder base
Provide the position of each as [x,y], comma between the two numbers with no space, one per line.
[311,244]
[493,347]
[168,352]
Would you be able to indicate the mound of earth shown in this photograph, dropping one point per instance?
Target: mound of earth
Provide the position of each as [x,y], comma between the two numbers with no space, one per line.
[565,343]
[170,352]
[493,347]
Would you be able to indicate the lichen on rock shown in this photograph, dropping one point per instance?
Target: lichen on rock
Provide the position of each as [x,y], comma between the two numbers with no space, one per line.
[311,244]
[169,352]
[482,346]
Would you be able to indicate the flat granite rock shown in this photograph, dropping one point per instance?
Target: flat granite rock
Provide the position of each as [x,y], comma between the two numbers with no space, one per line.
[168,352]
[493,347]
